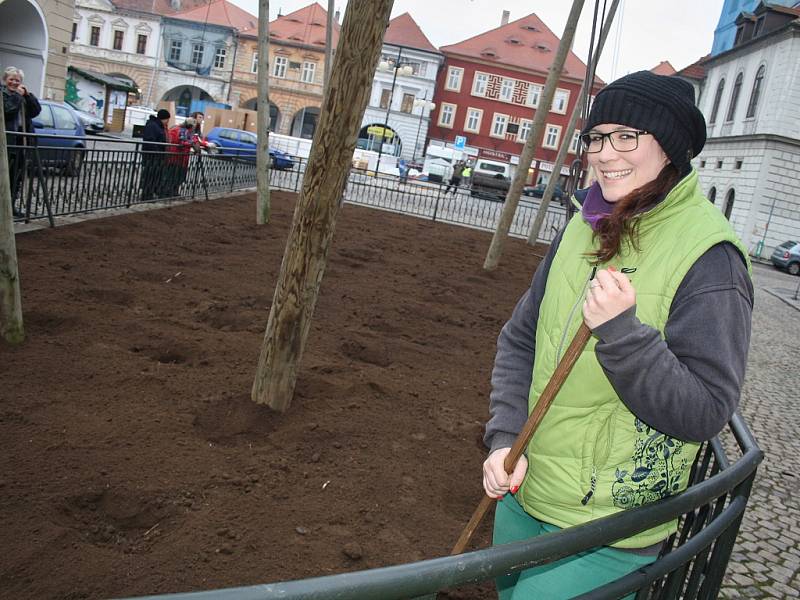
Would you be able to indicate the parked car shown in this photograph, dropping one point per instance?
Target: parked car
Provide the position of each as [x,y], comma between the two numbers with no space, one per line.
[240,143]
[787,256]
[67,152]
[490,179]
[90,122]
[537,191]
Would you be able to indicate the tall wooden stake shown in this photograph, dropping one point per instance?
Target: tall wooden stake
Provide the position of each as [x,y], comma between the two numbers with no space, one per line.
[566,141]
[11,327]
[534,139]
[314,221]
[328,47]
[263,116]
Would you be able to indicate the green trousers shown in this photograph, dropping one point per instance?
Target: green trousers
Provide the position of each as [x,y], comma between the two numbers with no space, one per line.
[562,579]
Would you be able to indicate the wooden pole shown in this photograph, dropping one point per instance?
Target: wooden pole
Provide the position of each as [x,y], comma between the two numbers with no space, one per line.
[263,117]
[534,139]
[566,142]
[314,221]
[328,47]
[11,327]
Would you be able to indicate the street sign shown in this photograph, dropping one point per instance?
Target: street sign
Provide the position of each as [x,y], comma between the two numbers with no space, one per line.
[460,142]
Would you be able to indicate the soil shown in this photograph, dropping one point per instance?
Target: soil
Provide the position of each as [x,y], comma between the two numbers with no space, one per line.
[134,461]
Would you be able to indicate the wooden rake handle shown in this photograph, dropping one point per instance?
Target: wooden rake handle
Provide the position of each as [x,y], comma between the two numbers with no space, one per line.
[542,405]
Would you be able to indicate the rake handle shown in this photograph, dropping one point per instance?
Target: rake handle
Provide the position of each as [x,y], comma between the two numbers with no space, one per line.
[524,437]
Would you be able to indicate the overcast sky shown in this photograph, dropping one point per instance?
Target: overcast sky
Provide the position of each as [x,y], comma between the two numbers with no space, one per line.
[680,31]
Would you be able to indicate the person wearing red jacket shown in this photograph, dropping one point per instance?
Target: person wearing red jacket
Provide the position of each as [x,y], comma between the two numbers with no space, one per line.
[181,139]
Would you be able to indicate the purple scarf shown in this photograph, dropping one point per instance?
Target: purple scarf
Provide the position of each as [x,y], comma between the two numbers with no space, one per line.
[595,207]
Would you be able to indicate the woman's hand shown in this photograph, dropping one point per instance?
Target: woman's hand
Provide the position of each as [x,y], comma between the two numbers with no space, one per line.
[610,294]
[21,90]
[496,482]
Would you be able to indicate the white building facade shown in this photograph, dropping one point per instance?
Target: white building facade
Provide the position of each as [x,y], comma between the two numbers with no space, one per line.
[750,166]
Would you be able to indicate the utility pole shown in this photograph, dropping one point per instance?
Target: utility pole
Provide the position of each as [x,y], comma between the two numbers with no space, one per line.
[263,117]
[328,47]
[534,139]
[533,235]
[11,327]
[314,222]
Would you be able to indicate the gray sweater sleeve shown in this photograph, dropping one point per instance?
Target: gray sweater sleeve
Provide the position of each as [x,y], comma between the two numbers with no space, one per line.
[688,384]
[687,387]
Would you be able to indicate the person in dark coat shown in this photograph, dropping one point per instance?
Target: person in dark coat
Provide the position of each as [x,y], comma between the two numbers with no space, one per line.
[154,155]
[455,178]
[20,107]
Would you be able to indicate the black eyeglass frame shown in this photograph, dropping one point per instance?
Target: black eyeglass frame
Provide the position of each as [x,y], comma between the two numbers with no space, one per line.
[604,136]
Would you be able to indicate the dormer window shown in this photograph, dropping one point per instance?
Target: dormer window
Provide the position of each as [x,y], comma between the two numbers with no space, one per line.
[542,47]
[739,35]
[759,26]
[527,27]
[489,52]
[514,41]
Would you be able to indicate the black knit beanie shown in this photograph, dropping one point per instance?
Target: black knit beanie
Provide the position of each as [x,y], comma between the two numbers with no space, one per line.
[162,114]
[661,105]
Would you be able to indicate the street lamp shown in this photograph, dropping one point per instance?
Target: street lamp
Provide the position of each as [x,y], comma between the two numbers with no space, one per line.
[402,69]
[422,105]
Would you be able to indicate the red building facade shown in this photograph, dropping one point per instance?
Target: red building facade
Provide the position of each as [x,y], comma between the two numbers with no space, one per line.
[489,88]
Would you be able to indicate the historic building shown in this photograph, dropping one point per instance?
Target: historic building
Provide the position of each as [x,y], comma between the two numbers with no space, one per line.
[34,37]
[725,33]
[398,112]
[750,166]
[489,89]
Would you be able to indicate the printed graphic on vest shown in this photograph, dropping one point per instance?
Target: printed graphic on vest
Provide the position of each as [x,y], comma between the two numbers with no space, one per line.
[659,466]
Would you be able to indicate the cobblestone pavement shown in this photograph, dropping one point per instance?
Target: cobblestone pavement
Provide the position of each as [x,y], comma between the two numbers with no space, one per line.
[766,559]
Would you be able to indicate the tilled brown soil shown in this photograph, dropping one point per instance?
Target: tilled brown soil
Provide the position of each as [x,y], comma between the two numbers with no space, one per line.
[133,460]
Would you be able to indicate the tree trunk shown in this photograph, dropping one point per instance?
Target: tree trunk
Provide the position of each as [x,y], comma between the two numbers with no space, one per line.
[534,139]
[263,116]
[314,220]
[10,298]
[533,235]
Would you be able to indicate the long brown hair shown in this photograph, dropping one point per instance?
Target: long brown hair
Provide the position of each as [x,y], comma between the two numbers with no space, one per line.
[620,224]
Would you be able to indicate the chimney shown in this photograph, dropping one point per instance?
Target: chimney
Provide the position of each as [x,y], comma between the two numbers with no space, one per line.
[336,15]
[505,17]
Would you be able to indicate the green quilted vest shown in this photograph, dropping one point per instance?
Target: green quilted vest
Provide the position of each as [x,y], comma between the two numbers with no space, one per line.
[591,457]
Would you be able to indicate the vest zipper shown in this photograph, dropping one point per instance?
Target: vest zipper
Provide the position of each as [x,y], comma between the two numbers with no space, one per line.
[581,296]
[592,487]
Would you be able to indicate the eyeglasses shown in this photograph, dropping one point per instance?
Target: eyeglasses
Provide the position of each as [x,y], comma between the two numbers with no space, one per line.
[622,140]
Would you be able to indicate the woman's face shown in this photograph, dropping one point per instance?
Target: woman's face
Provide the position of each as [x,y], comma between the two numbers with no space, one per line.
[13,81]
[619,173]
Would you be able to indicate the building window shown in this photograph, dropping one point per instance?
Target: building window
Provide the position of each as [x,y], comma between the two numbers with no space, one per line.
[386,98]
[197,54]
[524,130]
[712,195]
[560,101]
[753,104]
[94,36]
[118,38]
[447,115]
[738,164]
[719,163]
[576,139]
[507,90]
[219,58]
[309,72]
[737,87]
[717,100]
[279,68]
[407,105]
[175,49]
[74,35]
[141,44]
[473,120]
[759,26]
[499,125]
[551,136]
[479,84]
[453,82]
[532,97]
[254,64]
[703,165]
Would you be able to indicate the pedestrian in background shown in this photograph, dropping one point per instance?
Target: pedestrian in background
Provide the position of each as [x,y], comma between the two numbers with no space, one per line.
[198,117]
[466,175]
[20,107]
[455,178]
[154,155]
[660,278]
[181,139]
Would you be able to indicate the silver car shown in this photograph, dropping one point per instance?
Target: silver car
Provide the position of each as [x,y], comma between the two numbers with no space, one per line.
[787,256]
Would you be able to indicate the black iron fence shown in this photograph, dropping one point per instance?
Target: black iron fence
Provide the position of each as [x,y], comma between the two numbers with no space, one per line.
[691,565]
[62,175]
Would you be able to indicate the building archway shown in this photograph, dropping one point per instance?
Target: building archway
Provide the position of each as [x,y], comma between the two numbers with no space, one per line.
[712,194]
[729,198]
[183,96]
[371,136]
[23,41]
[274,113]
[304,123]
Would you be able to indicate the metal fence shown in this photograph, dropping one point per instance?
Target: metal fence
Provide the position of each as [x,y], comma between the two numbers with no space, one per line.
[62,175]
[691,565]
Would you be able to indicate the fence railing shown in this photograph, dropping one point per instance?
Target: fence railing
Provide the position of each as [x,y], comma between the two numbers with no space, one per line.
[63,175]
[691,564]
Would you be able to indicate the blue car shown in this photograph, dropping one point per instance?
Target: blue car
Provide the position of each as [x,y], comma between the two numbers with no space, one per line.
[787,256]
[67,152]
[242,144]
